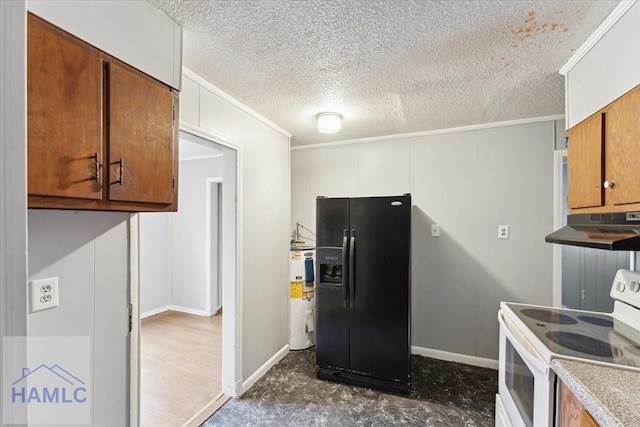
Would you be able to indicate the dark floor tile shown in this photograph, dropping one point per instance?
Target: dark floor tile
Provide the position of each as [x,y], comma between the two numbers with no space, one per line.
[442,394]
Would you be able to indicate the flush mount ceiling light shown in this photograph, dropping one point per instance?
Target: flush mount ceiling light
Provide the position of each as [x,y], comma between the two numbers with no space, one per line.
[329,123]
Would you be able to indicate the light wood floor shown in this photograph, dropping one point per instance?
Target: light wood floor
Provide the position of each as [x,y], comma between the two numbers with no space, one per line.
[181,366]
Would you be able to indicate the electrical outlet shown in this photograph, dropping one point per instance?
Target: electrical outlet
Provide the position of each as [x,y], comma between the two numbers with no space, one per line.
[435,230]
[44,294]
[503,232]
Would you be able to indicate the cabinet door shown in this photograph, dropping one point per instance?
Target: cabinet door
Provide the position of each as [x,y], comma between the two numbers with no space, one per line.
[585,163]
[587,420]
[623,149]
[141,137]
[64,113]
[572,413]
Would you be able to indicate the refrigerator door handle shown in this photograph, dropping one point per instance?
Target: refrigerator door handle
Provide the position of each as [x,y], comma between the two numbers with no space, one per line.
[352,269]
[345,261]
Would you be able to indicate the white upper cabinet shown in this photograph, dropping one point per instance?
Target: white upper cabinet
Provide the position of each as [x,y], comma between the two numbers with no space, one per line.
[606,67]
[132,31]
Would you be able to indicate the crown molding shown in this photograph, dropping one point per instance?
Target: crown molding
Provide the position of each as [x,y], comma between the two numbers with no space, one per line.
[431,132]
[211,88]
[597,34]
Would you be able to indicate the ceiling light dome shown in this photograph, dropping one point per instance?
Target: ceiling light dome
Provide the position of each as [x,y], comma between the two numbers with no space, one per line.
[329,123]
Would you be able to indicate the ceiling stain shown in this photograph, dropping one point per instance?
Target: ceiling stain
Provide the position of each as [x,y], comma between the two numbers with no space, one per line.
[532,25]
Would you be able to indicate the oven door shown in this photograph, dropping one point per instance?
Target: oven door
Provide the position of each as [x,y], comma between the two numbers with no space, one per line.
[525,381]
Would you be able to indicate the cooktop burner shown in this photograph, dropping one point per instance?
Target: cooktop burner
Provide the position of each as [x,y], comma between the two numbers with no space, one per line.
[549,316]
[583,344]
[596,321]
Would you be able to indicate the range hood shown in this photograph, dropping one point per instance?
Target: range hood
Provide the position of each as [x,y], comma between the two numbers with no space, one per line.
[612,231]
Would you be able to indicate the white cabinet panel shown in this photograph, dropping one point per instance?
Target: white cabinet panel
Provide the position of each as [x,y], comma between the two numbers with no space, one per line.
[609,70]
[132,31]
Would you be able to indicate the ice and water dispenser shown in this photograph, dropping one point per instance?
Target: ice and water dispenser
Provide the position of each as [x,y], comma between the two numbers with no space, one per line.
[330,266]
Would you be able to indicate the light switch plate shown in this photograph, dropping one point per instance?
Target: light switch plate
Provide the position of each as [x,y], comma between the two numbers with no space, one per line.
[44,294]
[435,230]
[503,232]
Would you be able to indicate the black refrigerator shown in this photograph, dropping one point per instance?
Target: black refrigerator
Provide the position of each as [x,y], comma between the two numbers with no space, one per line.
[363,291]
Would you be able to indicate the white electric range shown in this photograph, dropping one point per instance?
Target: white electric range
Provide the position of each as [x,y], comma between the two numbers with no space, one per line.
[531,336]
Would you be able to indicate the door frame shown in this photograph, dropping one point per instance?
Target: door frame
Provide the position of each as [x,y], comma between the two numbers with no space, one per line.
[231,287]
[556,290]
[211,182]
[13,174]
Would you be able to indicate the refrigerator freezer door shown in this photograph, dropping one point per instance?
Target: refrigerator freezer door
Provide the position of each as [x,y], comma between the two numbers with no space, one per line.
[332,217]
[332,328]
[379,343]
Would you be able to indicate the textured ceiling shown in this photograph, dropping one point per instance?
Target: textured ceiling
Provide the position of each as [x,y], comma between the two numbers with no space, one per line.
[388,66]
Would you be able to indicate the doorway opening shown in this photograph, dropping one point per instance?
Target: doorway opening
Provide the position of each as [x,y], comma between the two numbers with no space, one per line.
[187,265]
[583,276]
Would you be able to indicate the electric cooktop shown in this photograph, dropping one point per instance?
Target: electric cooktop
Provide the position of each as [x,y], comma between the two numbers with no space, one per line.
[581,334]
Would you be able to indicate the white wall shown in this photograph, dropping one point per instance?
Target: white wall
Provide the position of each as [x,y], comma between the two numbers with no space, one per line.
[469,182]
[188,239]
[89,253]
[13,185]
[173,261]
[155,262]
[264,211]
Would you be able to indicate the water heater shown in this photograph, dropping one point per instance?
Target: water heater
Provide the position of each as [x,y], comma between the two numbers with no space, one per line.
[302,320]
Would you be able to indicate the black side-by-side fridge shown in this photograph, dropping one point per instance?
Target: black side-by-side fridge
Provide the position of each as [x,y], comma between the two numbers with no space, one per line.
[363,291]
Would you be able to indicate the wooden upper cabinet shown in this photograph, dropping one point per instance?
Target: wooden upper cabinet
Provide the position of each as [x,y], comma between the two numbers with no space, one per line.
[622,152]
[101,135]
[585,163]
[64,114]
[604,158]
[141,137]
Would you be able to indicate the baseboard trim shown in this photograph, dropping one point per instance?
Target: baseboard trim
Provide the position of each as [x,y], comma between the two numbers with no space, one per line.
[455,357]
[188,310]
[179,308]
[155,311]
[263,370]
[210,408]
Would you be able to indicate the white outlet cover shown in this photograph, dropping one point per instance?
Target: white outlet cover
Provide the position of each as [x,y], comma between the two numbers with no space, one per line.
[44,294]
[435,230]
[503,232]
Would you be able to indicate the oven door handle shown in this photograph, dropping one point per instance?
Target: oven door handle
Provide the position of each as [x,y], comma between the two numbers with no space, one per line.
[525,349]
